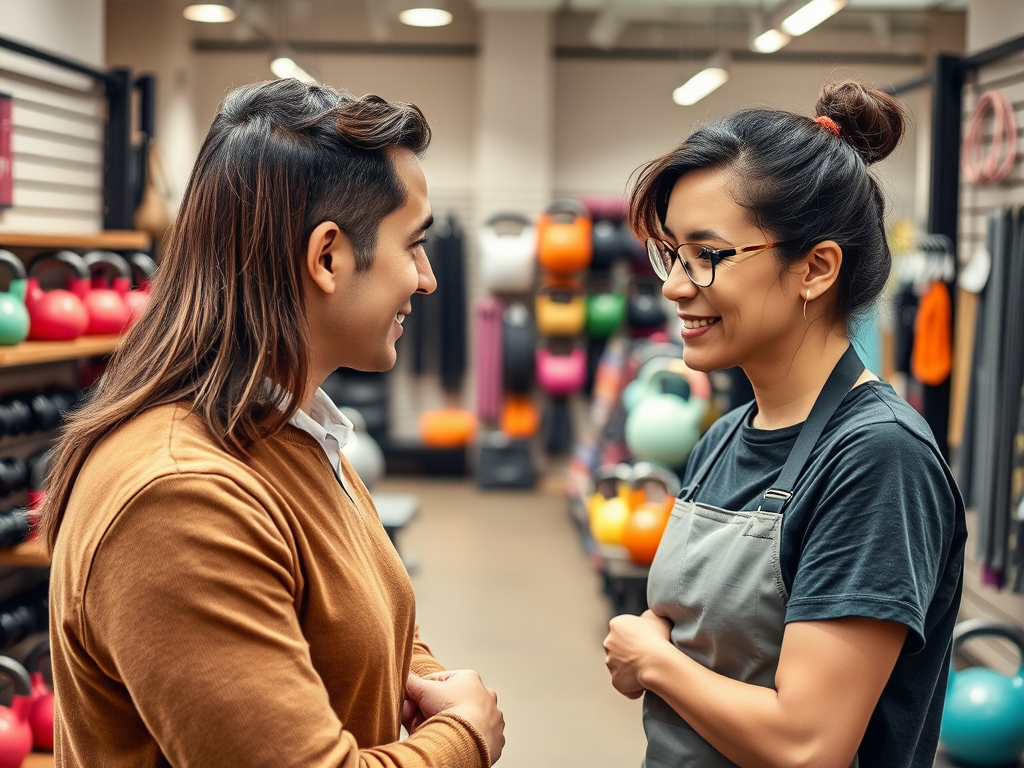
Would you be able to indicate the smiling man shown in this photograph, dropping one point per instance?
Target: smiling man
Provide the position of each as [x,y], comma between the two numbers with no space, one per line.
[222,592]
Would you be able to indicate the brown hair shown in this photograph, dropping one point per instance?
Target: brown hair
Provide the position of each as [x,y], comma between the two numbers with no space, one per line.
[227,311]
[800,182]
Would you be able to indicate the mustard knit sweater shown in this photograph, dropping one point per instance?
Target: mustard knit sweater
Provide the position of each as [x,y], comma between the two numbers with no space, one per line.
[207,611]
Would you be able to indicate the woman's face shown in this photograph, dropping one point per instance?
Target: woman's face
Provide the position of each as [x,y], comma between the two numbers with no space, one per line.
[751,314]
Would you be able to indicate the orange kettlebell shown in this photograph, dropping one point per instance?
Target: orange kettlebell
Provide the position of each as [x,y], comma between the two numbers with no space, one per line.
[563,238]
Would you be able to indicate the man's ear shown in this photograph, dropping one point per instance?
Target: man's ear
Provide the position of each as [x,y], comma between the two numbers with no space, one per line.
[330,258]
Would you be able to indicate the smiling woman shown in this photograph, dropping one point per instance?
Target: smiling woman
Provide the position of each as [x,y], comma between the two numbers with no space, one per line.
[805,590]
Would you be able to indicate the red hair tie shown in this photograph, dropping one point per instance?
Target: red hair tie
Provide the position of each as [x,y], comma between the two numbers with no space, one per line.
[830,124]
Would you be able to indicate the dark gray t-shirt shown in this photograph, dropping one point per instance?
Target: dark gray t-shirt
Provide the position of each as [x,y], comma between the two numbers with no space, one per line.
[875,528]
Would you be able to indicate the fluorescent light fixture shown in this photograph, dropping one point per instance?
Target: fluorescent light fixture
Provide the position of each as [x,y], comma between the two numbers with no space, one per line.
[210,13]
[713,75]
[283,65]
[428,16]
[770,41]
[809,15]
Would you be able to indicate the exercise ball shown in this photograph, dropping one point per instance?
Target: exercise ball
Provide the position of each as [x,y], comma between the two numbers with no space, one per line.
[983,719]
[362,451]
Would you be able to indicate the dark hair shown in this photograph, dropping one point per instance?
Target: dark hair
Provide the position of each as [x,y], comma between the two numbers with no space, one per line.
[801,183]
[227,310]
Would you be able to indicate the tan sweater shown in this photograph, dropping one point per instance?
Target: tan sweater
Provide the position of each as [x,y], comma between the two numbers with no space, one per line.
[207,611]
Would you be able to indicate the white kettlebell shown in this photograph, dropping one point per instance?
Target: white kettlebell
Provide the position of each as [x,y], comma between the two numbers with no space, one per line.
[508,253]
[362,451]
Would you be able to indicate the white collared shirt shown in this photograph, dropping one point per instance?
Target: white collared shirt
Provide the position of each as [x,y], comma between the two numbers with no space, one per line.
[328,426]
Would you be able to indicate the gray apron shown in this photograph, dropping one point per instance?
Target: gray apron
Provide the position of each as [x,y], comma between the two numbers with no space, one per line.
[718,579]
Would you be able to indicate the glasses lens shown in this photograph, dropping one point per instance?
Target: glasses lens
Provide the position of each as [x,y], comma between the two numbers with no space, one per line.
[697,263]
[660,260]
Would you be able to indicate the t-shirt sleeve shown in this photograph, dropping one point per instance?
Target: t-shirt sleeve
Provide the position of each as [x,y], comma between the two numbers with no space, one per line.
[191,605]
[875,543]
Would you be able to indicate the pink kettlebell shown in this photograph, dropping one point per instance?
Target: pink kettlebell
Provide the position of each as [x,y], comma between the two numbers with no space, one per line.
[108,312]
[561,368]
[137,299]
[40,714]
[15,732]
[57,315]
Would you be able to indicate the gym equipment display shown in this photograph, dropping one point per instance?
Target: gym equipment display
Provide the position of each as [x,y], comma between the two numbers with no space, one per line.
[108,311]
[508,250]
[983,719]
[40,707]
[447,428]
[362,451]
[560,307]
[13,315]
[58,314]
[563,238]
[15,731]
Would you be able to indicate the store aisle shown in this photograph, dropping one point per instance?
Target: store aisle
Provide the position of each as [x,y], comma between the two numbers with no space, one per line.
[503,587]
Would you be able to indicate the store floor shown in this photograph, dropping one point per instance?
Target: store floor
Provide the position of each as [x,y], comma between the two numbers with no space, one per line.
[503,587]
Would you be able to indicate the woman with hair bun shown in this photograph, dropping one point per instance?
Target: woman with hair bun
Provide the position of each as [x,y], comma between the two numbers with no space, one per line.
[804,595]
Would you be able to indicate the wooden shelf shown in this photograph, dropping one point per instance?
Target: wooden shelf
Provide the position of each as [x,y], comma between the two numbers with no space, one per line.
[28,554]
[35,352]
[38,760]
[109,240]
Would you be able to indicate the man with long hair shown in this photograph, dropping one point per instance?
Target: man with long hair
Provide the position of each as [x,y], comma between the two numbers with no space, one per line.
[223,593]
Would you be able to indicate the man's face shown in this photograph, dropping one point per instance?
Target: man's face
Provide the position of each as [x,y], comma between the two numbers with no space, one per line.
[372,305]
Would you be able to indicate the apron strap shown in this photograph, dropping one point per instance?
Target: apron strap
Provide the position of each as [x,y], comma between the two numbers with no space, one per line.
[840,382]
[690,491]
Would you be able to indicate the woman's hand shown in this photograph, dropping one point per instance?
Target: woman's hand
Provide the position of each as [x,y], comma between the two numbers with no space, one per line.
[631,643]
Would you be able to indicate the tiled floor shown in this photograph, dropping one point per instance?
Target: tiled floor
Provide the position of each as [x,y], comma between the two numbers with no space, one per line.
[502,587]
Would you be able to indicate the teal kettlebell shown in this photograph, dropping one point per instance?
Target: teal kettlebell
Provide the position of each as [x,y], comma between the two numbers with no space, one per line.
[983,720]
[605,311]
[662,426]
[13,315]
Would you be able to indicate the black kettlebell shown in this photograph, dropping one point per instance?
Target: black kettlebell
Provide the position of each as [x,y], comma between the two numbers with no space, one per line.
[607,245]
[646,307]
[6,420]
[21,415]
[13,475]
[47,417]
[15,527]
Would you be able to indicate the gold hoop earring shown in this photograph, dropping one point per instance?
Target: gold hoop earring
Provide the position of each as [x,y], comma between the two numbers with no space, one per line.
[805,303]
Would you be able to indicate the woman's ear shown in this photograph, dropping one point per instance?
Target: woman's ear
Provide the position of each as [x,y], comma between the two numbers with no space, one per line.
[820,269]
[330,258]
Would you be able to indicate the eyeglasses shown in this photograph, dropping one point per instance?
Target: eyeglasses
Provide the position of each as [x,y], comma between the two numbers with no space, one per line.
[698,261]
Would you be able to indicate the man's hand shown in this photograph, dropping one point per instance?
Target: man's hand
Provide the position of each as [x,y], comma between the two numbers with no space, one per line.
[631,642]
[460,692]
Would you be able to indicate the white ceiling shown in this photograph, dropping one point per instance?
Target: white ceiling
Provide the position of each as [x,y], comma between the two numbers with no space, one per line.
[625,6]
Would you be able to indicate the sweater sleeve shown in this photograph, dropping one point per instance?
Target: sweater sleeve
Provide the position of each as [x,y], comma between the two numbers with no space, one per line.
[190,603]
[423,661]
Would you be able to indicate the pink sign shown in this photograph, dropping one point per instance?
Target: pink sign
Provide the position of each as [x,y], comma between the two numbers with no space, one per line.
[6,176]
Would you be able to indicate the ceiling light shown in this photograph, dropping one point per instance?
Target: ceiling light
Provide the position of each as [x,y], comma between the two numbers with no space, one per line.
[770,41]
[713,75]
[284,65]
[809,15]
[210,13]
[426,16]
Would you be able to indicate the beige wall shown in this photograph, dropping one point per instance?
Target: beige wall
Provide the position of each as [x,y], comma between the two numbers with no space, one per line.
[72,28]
[993,21]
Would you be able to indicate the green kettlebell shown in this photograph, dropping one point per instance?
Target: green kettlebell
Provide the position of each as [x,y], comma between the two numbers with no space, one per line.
[13,315]
[664,427]
[605,312]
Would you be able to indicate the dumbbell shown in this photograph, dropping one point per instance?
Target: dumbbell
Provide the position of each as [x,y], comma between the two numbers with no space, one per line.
[15,526]
[44,410]
[14,475]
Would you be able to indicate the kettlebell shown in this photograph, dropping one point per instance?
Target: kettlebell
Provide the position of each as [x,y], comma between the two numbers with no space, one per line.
[605,312]
[59,314]
[697,383]
[606,244]
[560,308]
[508,250]
[561,368]
[40,715]
[519,417]
[15,731]
[609,509]
[664,427]
[362,451]
[646,310]
[138,298]
[563,238]
[983,719]
[108,311]
[517,349]
[13,315]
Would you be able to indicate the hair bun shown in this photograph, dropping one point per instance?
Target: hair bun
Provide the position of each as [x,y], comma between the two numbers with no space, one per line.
[871,121]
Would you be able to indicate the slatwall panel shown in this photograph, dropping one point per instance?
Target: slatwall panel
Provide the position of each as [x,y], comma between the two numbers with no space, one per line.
[976,202]
[57,147]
